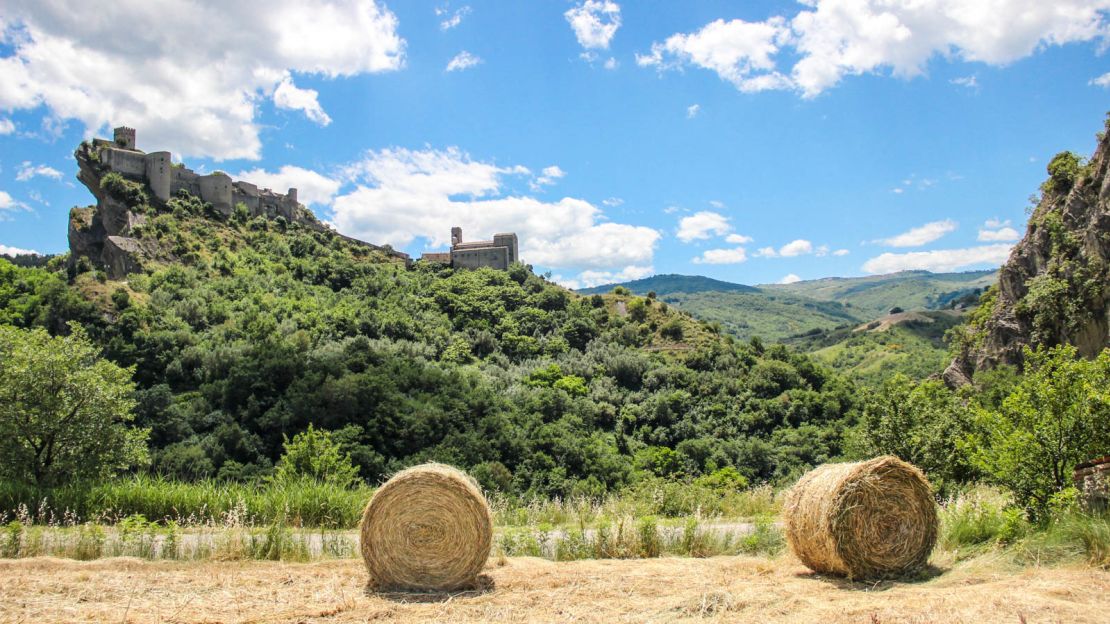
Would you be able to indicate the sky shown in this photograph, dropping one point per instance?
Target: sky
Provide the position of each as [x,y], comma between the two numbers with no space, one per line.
[754,142]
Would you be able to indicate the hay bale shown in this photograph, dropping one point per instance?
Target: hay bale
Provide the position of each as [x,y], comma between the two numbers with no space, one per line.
[869,519]
[428,528]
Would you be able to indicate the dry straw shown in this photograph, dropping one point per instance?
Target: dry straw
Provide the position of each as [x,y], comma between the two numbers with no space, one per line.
[427,528]
[869,519]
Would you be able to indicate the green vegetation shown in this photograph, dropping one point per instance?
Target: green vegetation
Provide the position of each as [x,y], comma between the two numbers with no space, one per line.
[771,316]
[670,284]
[63,411]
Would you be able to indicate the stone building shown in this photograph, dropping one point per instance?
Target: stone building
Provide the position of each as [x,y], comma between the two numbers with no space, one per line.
[498,253]
[165,179]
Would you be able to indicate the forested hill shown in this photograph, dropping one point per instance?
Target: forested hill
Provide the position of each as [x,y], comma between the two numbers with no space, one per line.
[671,283]
[247,330]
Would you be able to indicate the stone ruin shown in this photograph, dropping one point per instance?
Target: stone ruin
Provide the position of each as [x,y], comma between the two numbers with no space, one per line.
[103,234]
[498,253]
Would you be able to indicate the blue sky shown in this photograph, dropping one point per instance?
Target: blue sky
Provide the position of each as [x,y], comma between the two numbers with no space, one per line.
[751,142]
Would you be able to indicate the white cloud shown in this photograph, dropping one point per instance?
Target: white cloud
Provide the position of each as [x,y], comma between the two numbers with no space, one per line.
[612,202]
[701,225]
[28,170]
[594,23]
[6,126]
[5,250]
[796,248]
[830,39]
[455,18]
[921,235]
[588,279]
[403,194]
[692,110]
[940,260]
[8,204]
[463,60]
[822,251]
[841,252]
[722,256]
[611,63]
[547,177]
[188,76]
[288,96]
[740,52]
[766,252]
[312,187]
[1101,81]
[738,239]
[971,82]
[996,230]
[790,279]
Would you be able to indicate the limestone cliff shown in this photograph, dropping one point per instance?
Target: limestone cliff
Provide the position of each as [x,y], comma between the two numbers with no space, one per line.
[1054,287]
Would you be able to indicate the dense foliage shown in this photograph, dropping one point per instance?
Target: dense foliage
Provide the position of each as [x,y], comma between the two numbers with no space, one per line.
[248,331]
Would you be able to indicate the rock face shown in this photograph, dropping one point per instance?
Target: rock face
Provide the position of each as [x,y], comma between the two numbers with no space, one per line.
[1054,287]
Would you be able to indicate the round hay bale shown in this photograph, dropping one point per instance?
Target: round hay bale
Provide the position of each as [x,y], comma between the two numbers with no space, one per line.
[870,519]
[428,528]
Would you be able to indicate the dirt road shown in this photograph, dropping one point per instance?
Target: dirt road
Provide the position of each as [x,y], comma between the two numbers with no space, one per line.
[727,589]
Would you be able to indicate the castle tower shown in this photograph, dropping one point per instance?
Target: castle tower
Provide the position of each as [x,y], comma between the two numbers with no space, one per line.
[456,236]
[124,137]
[159,172]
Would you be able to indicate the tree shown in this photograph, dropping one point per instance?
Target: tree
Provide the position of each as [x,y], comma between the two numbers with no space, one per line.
[64,411]
[314,455]
[1057,416]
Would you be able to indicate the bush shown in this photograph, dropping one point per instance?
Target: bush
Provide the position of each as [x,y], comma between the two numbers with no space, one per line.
[315,456]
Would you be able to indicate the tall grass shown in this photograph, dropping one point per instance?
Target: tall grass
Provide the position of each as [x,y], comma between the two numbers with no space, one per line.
[299,504]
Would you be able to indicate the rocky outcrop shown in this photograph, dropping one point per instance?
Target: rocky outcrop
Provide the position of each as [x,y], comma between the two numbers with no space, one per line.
[1054,287]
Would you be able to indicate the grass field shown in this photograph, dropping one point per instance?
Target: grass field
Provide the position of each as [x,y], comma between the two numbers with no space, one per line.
[719,589]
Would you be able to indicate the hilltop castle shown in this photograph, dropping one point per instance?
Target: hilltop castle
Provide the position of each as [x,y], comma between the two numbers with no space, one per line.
[498,253]
[165,179]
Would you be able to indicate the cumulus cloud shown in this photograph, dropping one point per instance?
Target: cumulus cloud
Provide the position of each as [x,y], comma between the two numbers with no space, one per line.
[841,252]
[401,195]
[548,176]
[701,225]
[740,52]
[790,279]
[6,126]
[830,39]
[1101,81]
[188,75]
[996,230]
[920,235]
[693,110]
[27,170]
[940,260]
[312,187]
[8,205]
[6,250]
[290,97]
[738,239]
[735,255]
[451,19]
[588,279]
[463,60]
[594,23]
[612,202]
[796,248]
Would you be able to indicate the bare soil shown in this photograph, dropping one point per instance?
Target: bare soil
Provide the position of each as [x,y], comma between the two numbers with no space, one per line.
[725,589]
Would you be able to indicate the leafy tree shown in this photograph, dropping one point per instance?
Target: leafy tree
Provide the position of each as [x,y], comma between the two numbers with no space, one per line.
[64,411]
[1057,416]
[314,455]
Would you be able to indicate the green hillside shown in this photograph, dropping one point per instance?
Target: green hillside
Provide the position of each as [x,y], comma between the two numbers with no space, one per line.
[873,296]
[672,283]
[911,343]
[770,316]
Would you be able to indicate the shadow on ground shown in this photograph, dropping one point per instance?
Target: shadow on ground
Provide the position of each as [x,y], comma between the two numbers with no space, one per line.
[484,585]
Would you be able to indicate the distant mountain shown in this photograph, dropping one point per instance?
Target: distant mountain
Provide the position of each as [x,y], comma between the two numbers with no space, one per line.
[672,283]
[772,316]
[875,295]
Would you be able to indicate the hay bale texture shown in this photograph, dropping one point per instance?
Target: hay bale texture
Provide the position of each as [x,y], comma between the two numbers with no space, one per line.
[428,528]
[870,519]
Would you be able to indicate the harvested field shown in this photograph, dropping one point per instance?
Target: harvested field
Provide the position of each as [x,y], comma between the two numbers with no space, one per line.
[727,589]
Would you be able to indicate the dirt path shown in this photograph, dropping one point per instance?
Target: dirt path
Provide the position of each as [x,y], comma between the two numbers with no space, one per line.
[726,589]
